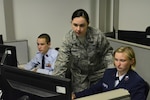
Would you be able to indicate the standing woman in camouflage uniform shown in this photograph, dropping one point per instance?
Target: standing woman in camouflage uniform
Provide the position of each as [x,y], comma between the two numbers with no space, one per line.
[85,52]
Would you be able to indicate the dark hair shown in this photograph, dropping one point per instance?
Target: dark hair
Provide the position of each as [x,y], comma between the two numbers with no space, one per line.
[80,13]
[46,36]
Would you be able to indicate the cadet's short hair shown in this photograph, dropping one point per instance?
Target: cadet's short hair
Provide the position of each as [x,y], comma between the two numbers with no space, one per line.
[46,36]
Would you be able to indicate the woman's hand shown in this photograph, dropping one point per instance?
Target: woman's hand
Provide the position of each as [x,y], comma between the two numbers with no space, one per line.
[73,96]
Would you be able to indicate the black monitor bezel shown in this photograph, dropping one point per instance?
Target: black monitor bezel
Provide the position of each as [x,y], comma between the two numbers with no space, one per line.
[43,81]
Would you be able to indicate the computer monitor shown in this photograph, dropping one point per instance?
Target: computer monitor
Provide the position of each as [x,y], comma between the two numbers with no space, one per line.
[1,39]
[18,82]
[8,55]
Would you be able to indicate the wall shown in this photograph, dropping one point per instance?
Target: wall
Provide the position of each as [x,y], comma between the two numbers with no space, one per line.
[2,20]
[33,17]
[142,57]
[134,14]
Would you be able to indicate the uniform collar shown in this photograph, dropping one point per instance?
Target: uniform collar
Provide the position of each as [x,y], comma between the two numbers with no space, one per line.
[120,77]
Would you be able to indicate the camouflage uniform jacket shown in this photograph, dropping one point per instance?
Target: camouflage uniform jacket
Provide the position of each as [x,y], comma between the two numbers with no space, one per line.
[87,61]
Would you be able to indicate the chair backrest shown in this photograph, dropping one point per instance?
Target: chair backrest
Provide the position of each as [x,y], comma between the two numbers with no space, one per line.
[25,97]
[147,89]
[57,48]
[148,30]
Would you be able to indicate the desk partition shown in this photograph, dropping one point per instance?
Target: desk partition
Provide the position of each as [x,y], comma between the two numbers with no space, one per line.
[118,94]
[21,50]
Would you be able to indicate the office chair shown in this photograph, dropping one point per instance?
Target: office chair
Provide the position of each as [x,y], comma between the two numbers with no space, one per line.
[57,48]
[147,89]
[25,97]
[148,30]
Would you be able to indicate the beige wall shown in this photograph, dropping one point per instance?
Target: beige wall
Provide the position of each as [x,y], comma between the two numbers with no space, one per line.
[134,14]
[2,21]
[33,17]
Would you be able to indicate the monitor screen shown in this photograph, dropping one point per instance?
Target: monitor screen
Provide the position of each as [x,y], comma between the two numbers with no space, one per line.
[18,82]
[8,55]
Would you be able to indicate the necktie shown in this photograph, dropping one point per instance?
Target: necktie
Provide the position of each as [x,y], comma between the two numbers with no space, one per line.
[117,81]
[43,62]
[117,78]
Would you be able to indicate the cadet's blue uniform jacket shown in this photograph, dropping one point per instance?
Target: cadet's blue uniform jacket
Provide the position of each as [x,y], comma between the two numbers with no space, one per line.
[131,81]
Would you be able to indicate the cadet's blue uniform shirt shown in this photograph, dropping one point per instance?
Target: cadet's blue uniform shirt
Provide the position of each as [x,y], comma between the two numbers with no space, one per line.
[50,58]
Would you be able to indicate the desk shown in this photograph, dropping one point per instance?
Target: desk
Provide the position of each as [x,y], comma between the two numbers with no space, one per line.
[118,94]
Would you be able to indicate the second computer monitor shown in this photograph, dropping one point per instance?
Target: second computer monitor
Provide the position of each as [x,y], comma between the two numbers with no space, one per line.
[8,55]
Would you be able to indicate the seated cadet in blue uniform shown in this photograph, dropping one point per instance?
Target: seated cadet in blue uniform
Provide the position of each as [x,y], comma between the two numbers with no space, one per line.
[127,78]
[44,60]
